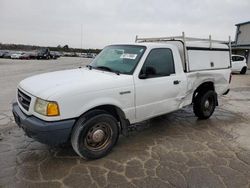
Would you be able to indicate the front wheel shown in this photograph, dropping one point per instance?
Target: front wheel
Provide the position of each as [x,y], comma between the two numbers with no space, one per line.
[243,70]
[94,137]
[204,104]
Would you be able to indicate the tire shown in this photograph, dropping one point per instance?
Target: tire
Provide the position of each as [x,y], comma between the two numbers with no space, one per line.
[204,104]
[94,134]
[243,70]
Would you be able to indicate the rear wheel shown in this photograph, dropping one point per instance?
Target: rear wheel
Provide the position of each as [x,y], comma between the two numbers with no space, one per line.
[204,104]
[94,136]
[243,70]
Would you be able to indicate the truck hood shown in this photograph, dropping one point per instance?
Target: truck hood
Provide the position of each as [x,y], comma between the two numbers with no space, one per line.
[47,85]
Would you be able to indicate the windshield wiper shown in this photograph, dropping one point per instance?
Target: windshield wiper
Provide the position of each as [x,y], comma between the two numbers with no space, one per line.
[107,69]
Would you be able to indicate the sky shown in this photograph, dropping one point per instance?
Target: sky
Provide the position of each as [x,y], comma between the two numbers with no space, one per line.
[101,23]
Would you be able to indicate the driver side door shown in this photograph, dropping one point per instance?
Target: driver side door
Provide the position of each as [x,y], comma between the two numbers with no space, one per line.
[158,86]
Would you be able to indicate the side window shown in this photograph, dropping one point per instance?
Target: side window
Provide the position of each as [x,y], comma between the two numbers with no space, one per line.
[159,63]
[241,58]
[237,58]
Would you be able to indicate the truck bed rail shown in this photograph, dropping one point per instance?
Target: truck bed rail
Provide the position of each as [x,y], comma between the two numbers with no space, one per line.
[184,39]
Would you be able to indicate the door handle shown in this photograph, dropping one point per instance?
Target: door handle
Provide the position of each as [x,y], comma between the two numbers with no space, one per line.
[176,82]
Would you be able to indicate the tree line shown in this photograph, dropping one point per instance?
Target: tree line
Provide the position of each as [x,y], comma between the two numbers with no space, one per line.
[59,48]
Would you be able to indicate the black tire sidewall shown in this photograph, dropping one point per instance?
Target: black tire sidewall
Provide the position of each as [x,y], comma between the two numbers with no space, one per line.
[82,127]
[243,70]
[199,104]
[204,98]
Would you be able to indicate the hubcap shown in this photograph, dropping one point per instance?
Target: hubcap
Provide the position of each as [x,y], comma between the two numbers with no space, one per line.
[207,104]
[98,135]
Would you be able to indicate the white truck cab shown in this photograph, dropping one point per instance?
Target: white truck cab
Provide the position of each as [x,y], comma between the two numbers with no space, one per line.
[123,85]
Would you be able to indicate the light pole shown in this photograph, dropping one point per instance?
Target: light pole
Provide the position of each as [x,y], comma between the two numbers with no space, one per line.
[81,36]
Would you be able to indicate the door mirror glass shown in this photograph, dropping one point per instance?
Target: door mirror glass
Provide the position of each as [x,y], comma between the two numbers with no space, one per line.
[143,76]
[147,72]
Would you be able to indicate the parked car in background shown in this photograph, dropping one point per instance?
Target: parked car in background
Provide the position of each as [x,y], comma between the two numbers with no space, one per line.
[43,54]
[7,55]
[39,54]
[94,55]
[15,55]
[1,54]
[24,55]
[54,55]
[239,64]
[84,55]
[33,54]
[88,55]
[70,54]
[20,55]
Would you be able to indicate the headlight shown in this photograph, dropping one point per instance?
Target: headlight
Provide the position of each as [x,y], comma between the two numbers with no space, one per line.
[46,108]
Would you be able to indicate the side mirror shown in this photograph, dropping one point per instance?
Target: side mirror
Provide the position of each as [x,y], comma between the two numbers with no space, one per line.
[143,76]
[149,71]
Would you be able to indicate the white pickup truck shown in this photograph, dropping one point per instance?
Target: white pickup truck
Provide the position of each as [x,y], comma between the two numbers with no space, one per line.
[125,84]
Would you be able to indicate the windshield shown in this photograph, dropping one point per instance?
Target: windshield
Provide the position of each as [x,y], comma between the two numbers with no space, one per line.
[119,58]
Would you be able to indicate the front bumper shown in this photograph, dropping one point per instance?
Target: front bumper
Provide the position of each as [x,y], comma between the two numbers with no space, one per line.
[50,133]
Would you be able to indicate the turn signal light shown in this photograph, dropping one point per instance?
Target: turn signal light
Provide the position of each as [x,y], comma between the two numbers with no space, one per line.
[52,109]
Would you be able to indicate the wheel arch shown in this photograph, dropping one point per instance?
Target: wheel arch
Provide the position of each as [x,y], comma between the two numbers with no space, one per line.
[244,68]
[203,87]
[115,111]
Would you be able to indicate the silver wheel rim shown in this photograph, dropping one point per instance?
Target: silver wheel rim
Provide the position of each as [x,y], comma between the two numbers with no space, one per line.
[98,137]
[208,105]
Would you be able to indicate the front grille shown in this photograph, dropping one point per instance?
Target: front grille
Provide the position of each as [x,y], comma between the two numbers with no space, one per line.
[24,100]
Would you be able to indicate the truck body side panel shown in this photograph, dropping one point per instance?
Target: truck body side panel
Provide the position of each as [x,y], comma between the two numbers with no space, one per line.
[208,59]
[220,78]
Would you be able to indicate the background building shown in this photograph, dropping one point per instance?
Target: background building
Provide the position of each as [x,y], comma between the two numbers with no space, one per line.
[242,41]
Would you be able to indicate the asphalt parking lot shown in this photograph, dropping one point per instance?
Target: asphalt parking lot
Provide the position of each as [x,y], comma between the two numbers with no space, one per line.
[175,150]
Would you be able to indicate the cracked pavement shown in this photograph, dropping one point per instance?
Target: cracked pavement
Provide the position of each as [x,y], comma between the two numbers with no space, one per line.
[174,150]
